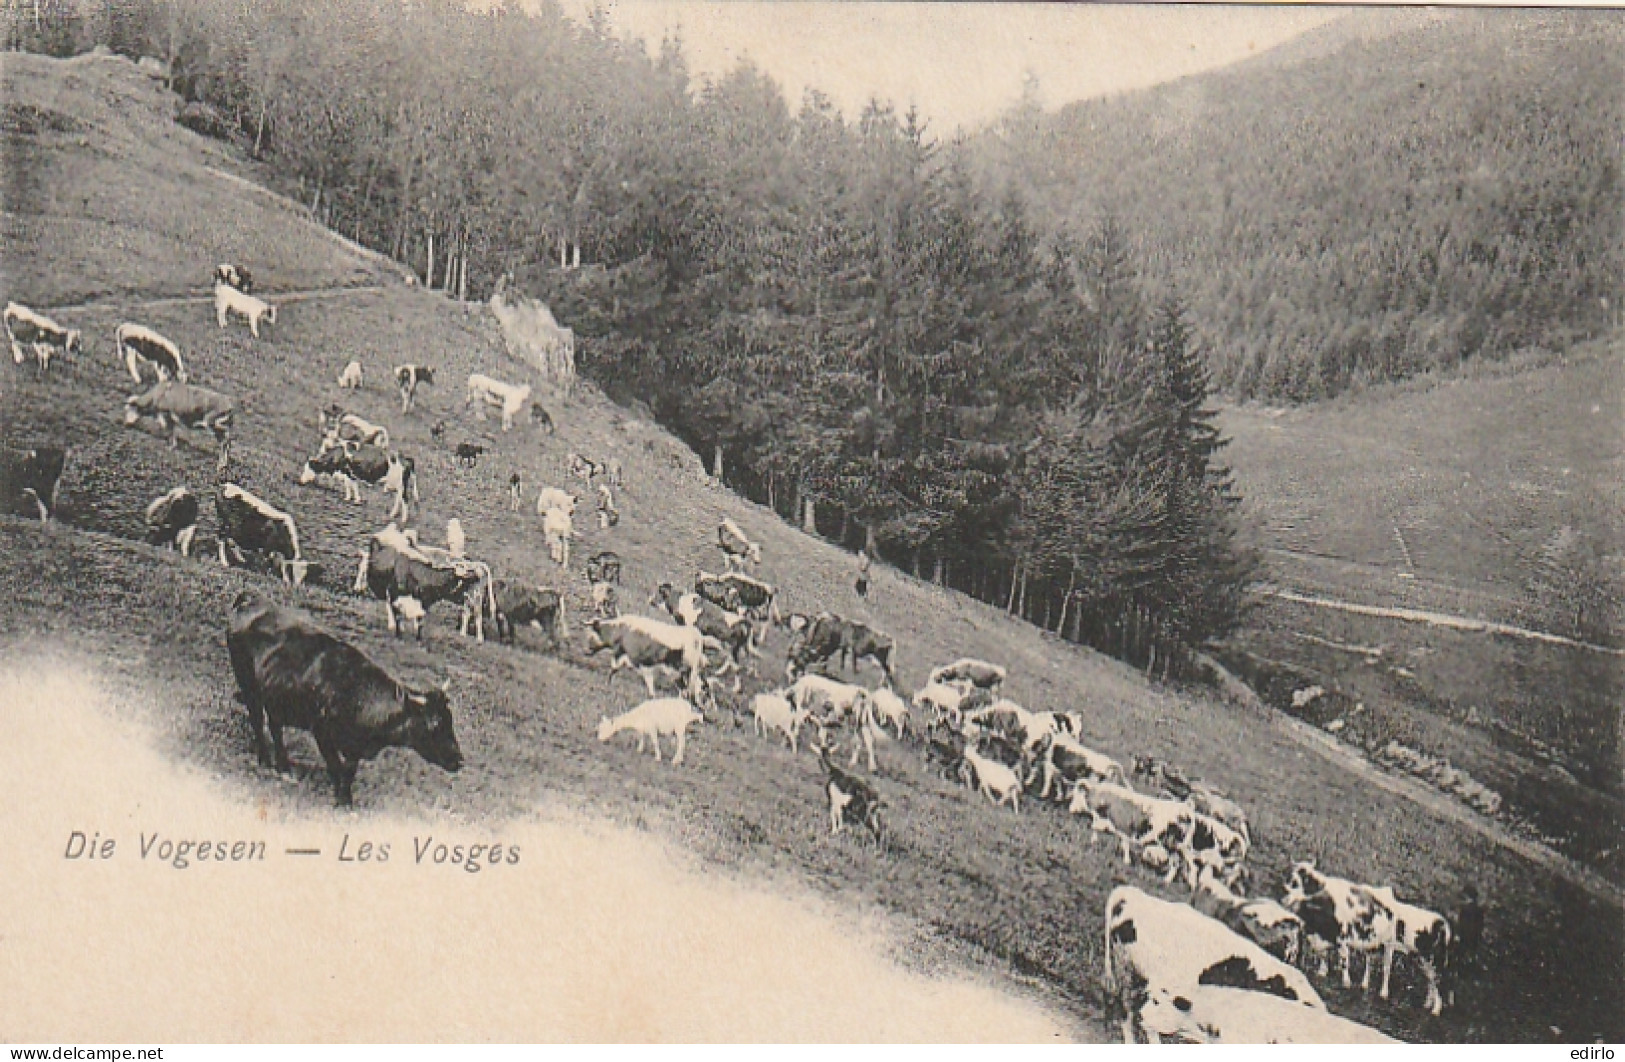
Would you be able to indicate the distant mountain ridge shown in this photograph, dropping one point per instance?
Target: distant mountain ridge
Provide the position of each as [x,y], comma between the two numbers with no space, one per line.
[1392,192]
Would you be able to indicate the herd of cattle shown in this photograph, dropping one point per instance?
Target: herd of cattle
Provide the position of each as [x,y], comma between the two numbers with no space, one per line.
[1221,967]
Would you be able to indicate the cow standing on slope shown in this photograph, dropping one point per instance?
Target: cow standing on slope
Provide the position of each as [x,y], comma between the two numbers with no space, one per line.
[251,526]
[737,549]
[228,300]
[29,331]
[177,405]
[291,672]
[407,379]
[32,477]
[394,567]
[489,392]
[137,345]
[172,520]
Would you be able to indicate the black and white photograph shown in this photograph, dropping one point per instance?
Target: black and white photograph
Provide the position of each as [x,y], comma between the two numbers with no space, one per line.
[679,521]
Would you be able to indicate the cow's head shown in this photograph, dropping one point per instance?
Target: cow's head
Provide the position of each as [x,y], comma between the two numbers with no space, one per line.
[297,572]
[1303,882]
[430,728]
[270,315]
[596,640]
[323,464]
[132,411]
[1168,1016]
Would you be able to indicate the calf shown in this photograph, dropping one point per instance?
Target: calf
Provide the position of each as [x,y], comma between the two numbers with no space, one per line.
[137,345]
[537,606]
[1069,761]
[249,525]
[176,404]
[407,380]
[468,454]
[172,520]
[830,704]
[732,630]
[1419,932]
[228,300]
[350,378]
[737,549]
[942,699]
[558,529]
[291,672]
[851,799]
[554,498]
[1152,944]
[29,331]
[890,708]
[32,477]
[340,427]
[651,719]
[582,468]
[994,780]
[1164,775]
[773,711]
[1137,820]
[489,392]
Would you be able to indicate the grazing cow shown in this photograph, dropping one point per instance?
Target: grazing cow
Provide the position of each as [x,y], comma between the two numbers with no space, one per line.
[861,642]
[815,643]
[604,567]
[603,601]
[1069,761]
[994,780]
[176,404]
[172,520]
[752,596]
[830,704]
[516,492]
[558,529]
[1137,820]
[339,427]
[554,498]
[488,392]
[350,378]
[33,476]
[651,719]
[293,673]
[136,345]
[249,525]
[1164,775]
[1338,912]
[1264,922]
[773,711]
[975,672]
[539,607]
[737,550]
[1213,1014]
[30,331]
[407,380]
[228,300]
[1419,932]
[1152,944]
[719,591]
[393,566]
[1215,847]
[890,708]
[649,647]
[468,454]
[234,276]
[540,419]
[734,631]
[851,799]
[1208,801]
[1004,717]
[368,464]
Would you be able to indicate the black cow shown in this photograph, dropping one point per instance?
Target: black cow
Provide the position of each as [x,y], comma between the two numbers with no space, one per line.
[541,608]
[815,643]
[293,673]
[859,641]
[468,454]
[407,379]
[33,476]
[540,418]
[393,568]
[172,520]
[249,525]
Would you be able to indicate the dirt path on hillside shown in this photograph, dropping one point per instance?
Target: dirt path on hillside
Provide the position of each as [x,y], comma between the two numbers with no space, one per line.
[1440,619]
[306,295]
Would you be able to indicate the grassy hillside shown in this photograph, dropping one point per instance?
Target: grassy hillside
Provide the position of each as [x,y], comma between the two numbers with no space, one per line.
[1022,890]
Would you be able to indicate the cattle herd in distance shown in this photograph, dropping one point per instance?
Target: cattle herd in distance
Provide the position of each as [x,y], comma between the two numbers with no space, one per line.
[1220,968]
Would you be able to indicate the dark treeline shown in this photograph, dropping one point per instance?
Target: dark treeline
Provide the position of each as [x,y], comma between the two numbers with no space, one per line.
[836,313]
[1421,189]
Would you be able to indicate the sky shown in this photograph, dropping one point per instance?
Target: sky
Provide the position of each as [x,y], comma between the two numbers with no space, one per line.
[960,63]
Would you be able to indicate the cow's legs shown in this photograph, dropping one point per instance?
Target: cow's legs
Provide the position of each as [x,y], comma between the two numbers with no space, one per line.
[1387,968]
[389,614]
[1365,975]
[654,739]
[1343,959]
[1435,1002]
[682,743]
[256,723]
[282,764]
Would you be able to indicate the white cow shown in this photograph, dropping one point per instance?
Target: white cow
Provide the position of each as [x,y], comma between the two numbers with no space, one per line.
[558,529]
[1214,1014]
[350,378]
[228,300]
[488,392]
[554,498]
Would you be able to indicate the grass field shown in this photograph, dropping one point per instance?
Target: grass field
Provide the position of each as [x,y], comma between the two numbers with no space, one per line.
[1023,892]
